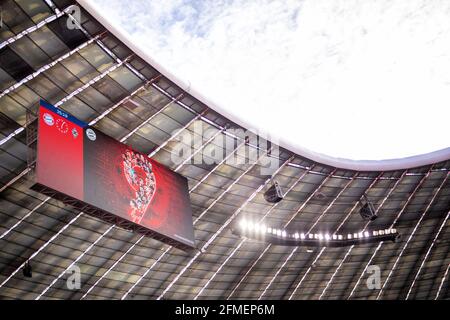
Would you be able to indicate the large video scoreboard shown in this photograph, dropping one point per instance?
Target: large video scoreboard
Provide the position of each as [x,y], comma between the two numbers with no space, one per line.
[82,163]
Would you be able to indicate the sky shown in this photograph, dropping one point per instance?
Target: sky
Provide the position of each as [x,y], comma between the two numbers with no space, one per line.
[355,79]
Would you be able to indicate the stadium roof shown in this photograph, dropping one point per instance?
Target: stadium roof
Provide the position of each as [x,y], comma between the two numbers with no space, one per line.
[92,72]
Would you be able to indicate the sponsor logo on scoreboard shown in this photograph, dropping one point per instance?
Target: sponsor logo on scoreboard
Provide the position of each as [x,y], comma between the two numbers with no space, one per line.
[48,119]
[74,132]
[91,134]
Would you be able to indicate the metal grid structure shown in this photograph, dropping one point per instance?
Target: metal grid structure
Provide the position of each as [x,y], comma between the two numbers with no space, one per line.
[89,73]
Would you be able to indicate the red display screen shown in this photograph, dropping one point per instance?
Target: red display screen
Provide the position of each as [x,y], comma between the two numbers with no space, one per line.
[83,163]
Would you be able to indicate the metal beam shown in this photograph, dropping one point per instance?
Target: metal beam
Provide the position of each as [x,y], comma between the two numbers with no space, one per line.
[47,66]
[442,282]
[230,219]
[309,231]
[348,215]
[393,223]
[426,255]
[74,262]
[139,240]
[33,28]
[411,236]
[41,248]
[243,240]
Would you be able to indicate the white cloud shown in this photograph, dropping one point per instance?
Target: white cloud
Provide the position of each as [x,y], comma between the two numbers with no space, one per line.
[349,78]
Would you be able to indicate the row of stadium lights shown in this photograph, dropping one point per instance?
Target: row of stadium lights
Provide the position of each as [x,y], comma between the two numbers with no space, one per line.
[248,226]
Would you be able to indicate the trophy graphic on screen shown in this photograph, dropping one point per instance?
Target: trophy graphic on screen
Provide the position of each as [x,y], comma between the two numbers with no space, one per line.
[138,172]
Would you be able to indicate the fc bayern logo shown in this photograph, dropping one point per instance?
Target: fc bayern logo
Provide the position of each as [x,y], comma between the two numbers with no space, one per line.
[74,132]
[91,134]
[48,119]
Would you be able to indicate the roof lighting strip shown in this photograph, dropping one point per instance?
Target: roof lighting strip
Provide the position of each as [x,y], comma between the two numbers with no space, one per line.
[295,214]
[348,215]
[243,240]
[337,230]
[381,243]
[307,233]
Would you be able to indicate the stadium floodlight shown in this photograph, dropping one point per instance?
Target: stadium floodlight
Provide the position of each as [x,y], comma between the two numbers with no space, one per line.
[285,237]
[27,270]
[367,210]
[262,228]
[243,224]
[274,193]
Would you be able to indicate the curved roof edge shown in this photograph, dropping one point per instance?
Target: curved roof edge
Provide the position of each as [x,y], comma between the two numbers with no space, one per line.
[358,165]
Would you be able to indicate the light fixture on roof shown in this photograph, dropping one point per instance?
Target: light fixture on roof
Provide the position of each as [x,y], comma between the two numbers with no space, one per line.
[255,230]
[27,270]
[274,193]
[367,210]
